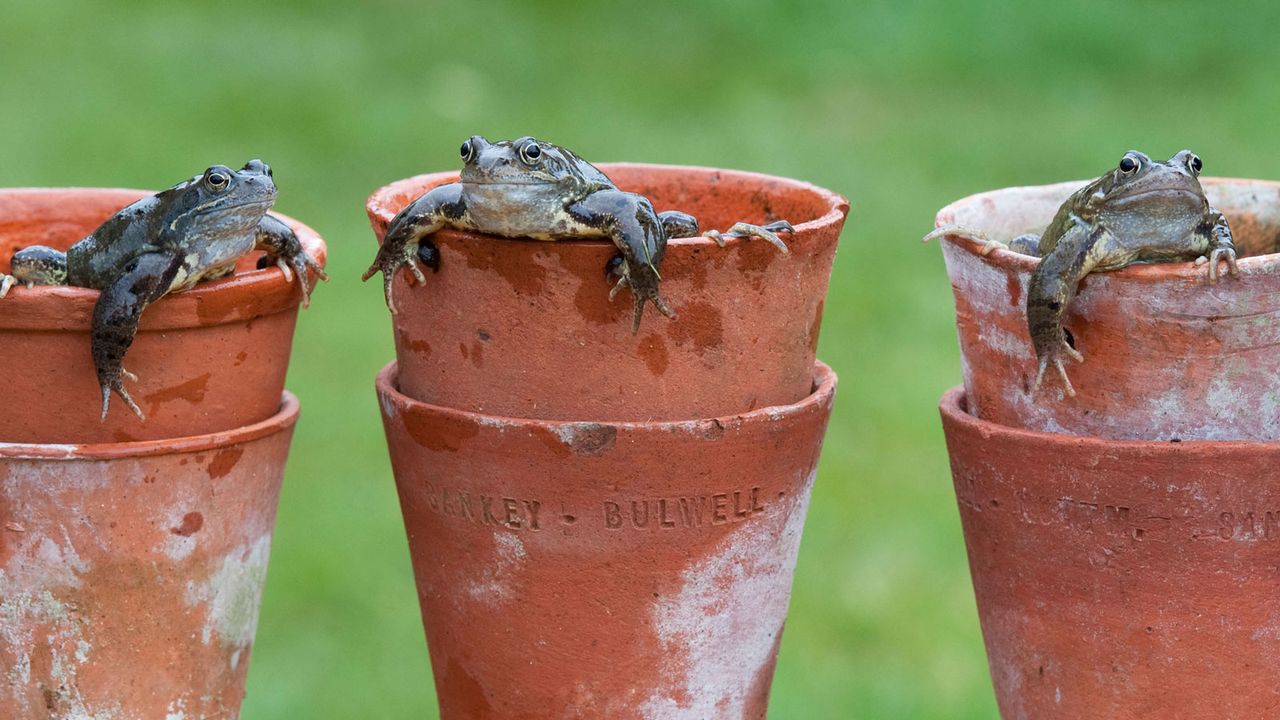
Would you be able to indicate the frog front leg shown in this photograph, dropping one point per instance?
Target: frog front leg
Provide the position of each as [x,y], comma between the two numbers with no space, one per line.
[115,319]
[1221,246]
[630,221]
[406,237]
[1052,288]
[285,251]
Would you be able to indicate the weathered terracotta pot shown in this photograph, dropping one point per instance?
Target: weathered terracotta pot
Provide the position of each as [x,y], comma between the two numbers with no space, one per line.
[525,328]
[604,570]
[1121,579]
[130,573]
[209,359]
[1166,354]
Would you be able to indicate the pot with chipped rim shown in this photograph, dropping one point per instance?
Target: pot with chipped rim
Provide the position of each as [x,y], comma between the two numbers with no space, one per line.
[525,328]
[130,573]
[604,569]
[208,359]
[1120,578]
[1166,355]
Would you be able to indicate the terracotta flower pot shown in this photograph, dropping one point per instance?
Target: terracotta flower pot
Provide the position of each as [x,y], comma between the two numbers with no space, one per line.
[209,359]
[1166,355]
[525,328]
[1121,579]
[130,573]
[604,570]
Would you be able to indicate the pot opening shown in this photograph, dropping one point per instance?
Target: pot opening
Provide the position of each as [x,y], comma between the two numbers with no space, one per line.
[1252,208]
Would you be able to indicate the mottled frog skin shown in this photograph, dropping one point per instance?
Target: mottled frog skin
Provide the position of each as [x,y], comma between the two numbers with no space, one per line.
[194,231]
[533,189]
[1142,211]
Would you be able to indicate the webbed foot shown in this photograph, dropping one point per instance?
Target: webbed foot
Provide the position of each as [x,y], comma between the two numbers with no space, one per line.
[393,257]
[988,244]
[768,233]
[114,381]
[1057,355]
[1214,258]
[296,265]
[617,265]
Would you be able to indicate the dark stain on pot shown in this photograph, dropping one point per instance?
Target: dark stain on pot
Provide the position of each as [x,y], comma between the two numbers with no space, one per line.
[590,439]
[653,350]
[477,354]
[1015,289]
[465,693]
[484,336]
[421,347]
[754,255]
[700,325]
[240,358]
[193,391]
[190,525]
[224,462]
[592,301]
[520,271]
[444,434]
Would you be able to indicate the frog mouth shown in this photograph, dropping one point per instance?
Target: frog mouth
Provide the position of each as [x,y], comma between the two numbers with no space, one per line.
[1169,192]
[223,208]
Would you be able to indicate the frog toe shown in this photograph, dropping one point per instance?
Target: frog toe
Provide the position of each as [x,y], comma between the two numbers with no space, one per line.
[116,384]
[1216,258]
[1057,357]
[6,283]
[768,233]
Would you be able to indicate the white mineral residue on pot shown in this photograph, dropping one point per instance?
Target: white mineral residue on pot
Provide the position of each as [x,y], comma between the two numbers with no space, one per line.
[231,595]
[177,710]
[721,629]
[177,546]
[493,582]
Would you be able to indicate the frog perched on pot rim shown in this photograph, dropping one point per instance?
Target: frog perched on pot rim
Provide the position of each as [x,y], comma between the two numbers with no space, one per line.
[1142,211]
[529,188]
[195,230]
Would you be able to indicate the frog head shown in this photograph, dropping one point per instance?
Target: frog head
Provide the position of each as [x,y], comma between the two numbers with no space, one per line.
[221,203]
[529,166]
[1141,186]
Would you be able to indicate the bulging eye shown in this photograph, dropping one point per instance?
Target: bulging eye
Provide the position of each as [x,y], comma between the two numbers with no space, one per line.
[466,151]
[530,153]
[218,181]
[1128,165]
[1195,164]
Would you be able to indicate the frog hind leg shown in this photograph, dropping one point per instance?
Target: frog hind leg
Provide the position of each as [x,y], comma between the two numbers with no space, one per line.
[1028,244]
[115,320]
[35,265]
[1052,288]
[768,233]
[641,292]
[406,237]
[285,251]
[988,244]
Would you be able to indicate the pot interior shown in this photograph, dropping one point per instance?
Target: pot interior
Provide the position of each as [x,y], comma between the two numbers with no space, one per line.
[61,217]
[1252,208]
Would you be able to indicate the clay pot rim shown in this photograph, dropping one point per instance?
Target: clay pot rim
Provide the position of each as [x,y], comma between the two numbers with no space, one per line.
[823,391]
[837,204]
[1142,273]
[284,418]
[954,412]
[264,291]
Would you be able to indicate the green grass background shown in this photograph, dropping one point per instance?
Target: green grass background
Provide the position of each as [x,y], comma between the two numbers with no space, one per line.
[901,106]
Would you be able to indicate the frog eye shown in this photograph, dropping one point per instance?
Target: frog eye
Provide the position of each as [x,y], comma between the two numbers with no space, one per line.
[217,180]
[1128,164]
[467,151]
[530,153]
[1195,164]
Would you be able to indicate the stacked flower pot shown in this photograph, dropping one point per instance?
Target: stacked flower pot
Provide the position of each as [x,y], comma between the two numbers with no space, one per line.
[604,524]
[1124,543]
[133,553]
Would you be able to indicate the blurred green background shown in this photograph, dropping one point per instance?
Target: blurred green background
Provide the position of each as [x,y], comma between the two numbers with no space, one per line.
[901,106]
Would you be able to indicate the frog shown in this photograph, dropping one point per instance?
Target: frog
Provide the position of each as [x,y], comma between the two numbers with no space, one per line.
[529,188]
[1142,211]
[165,243]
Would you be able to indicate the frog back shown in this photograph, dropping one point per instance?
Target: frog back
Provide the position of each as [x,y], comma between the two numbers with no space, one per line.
[100,258]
